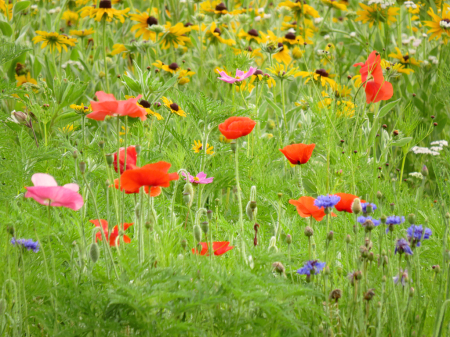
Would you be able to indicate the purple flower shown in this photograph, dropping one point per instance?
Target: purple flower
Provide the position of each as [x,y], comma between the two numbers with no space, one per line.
[311,267]
[402,246]
[416,234]
[393,220]
[365,204]
[363,219]
[402,277]
[240,75]
[199,179]
[26,243]
[327,201]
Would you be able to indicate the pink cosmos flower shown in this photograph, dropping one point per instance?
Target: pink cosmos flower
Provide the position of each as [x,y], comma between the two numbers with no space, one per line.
[47,192]
[199,179]
[240,75]
[107,105]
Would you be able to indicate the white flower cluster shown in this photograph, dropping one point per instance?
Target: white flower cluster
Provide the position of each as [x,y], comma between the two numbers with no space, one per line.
[54,10]
[445,24]
[265,16]
[410,4]
[318,20]
[383,3]
[73,63]
[440,143]
[433,59]
[408,39]
[434,150]
[417,175]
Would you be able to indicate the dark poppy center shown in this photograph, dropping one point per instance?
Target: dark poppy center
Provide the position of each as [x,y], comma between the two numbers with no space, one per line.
[145,104]
[322,72]
[253,32]
[105,4]
[173,66]
[258,72]
[221,7]
[152,21]
[174,107]
[188,24]
[217,30]
[280,45]
[406,58]
[290,36]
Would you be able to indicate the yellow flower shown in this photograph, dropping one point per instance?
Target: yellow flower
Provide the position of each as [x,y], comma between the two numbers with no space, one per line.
[296,8]
[393,69]
[297,53]
[320,75]
[119,48]
[224,139]
[81,109]
[217,7]
[6,8]
[374,13]
[82,33]
[183,76]
[342,107]
[173,107]
[259,77]
[214,34]
[145,20]
[104,9]
[25,79]
[67,129]
[53,40]
[174,35]
[171,68]
[245,86]
[281,71]
[341,91]
[440,24]
[146,105]
[70,17]
[253,35]
[335,4]
[198,146]
[404,59]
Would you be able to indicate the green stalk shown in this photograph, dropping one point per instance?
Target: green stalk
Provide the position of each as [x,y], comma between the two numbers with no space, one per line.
[104,54]
[238,187]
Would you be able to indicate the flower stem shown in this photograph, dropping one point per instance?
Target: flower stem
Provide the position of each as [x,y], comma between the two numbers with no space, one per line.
[238,187]
[104,54]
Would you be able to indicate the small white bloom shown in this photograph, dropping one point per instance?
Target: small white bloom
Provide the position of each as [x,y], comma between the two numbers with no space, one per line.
[353,34]
[327,37]
[318,20]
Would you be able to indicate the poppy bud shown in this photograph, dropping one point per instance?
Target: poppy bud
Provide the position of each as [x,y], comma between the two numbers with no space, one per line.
[278,267]
[412,219]
[233,145]
[209,214]
[109,159]
[205,227]
[288,239]
[75,154]
[356,206]
[309,231]
[425,171]
[94,252]
[2,306]
[348,239]
[183,243]
[330,236]
[138,149]
[186,199]
[197,233]
[251,212]
[379,195]
[82,167]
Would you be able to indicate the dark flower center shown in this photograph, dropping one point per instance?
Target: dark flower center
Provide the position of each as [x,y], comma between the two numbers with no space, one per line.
[290,36]
[446,20]
[217,30]
[258,72]
[188,24]
[152,21]
[249,49]
[105,4]
[294,23]
[406,58]
[173,66]
[322,72]
[221,7]
[145,103]
[174,107]
[280,45]
[340,18]
[253,32]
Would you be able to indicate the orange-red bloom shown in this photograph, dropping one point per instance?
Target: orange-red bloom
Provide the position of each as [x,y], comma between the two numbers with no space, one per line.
[155,175]
[345,204]
[131,158]
[107,105]
[236,127]
[219,248]
[110,236]
[298,153]
[306,208]
[376,88]
[154,190]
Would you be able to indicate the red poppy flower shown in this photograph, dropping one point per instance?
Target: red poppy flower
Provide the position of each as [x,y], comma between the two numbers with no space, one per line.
[306,208]
[376,88]
[108,105]
[112,237]
[155,175]
[298,153]
[154,190]
[345,204]
[219,248]
[236,127]
[131,158]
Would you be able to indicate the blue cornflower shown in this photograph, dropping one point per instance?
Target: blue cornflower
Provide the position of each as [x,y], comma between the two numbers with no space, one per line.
[363,219]
[393,220]
[416,234]
[26,243]
[327,201]
[402,277]
[402,246]
[311,267]
[365,204]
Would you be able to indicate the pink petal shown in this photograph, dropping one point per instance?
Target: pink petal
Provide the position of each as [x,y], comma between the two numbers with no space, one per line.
[103,96]
[201,175]
[239,73]
[208,180]
[73,187]
[58,196]
[43,179]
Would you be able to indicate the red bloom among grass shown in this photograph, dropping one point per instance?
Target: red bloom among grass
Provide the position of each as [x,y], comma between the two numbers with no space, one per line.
[306,208]
[154,190]
[298,154]
[345,204]
[236,127]
[112,237]
[219,248]
[108,105]
[131,158]
[376,87]
[154,175]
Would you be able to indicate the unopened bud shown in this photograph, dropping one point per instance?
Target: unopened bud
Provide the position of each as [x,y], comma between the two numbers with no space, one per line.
[109,159]
[424,171]
[309,231]
[369,294]
[288,239]
[411,292]
[383,219]
[82,167]
[369,208]
[186,199]
[183,243]
[101,144]
[330,236]
[138,149]
[348,239]
[326,271]
[412,219]
[205,227]
[149,225]
[94,252]
[209,214]
[75,154]
[233,145]
[197,233]
[392,205]
[356,206]
[379,195]
[20,116]
[278,267]
[436,268]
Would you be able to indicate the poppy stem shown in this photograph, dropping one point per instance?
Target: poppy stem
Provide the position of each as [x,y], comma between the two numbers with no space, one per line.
[104,54]
[238,187]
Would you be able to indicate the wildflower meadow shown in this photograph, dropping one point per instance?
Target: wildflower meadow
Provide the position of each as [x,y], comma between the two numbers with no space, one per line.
[225,168]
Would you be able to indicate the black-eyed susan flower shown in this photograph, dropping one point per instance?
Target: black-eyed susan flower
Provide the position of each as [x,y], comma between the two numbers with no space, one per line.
[119,48]
[440,25]
[297,53]
[183,76]
[404,59]
[104,9]
[67,129]
[393,69]
[146,105]
[53,40]
[282,54]
[253,35]
[335,4]
[259,77]
[198,147]
[297,10]
[82,33]
[173,107]
[377,13]
[81,108]
[281,71]
[217,7]
[174,36]
[145,21]
[214,35]
[70,17]
[291,38]
[171,68]
[320,75]
[21,79]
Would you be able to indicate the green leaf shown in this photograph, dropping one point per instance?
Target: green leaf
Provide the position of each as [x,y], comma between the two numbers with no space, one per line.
[385,109]
[6,29]
[274,106]
[20,6]
[402,142]
[131,83]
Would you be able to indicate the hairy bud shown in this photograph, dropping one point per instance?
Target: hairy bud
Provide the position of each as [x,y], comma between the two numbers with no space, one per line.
[356,206]
[94,252]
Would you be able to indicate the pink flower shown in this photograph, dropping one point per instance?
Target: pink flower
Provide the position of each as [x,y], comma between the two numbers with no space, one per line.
[107,105]
[199,179]
[240,75]
[47,192]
